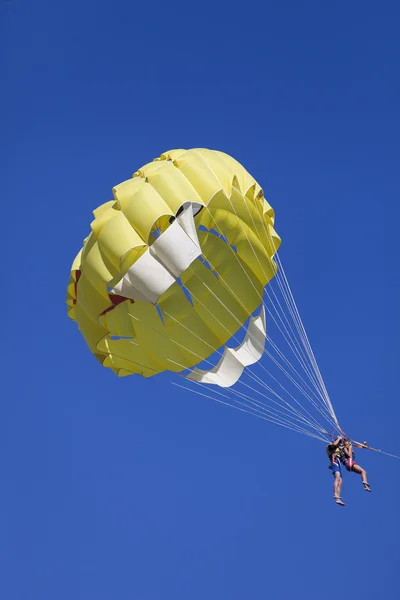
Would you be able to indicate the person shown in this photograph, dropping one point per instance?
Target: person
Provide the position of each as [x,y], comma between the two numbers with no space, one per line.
[335,452]
[348,459]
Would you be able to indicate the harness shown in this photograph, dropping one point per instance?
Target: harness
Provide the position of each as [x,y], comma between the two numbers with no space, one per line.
[348,462]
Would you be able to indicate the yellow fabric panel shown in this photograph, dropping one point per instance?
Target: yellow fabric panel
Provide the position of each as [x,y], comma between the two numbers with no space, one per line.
[168,348]
[265,242]
[121,231]
[233,270]
[173,186]
[255,256]
[117,363]
[116,239]
[177,309]
[98,212]
[221,169]
[127,261]
[89,298]
[125,373]
[214,304]
[199,173]
[128,355]
[71,287]
[230,172]
[170,155]
[246,181]
[209,325]
[243,208]
[238,279]
[159,340]
[217,313]
[147,170]
[174,303]
[91,330]
[189,337]
[124,192]
[71,312]
[193,334]
[268,210]
[143,209]
[239,235]
[276,240]
[103,215]
[181,343]
[77,263]
[117,321]
[94,268]
[71,297]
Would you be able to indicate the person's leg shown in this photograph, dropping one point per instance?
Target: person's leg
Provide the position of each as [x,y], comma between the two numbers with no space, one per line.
[336,493]
[337,488]
[360,471]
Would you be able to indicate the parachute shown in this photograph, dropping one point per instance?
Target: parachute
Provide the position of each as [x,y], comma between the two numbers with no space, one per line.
[181,274]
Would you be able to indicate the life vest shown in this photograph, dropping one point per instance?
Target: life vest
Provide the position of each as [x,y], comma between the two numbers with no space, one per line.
[332,451]
[344,457]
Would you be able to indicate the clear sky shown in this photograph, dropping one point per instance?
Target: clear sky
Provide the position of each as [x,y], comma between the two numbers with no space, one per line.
[128,488]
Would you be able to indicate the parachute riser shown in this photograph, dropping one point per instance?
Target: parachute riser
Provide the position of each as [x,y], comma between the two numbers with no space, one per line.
[360,445]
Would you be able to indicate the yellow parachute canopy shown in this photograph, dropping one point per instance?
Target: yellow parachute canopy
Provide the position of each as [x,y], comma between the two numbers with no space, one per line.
[174,265]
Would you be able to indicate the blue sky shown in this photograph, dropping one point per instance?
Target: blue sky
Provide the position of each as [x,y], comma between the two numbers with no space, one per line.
[133,489]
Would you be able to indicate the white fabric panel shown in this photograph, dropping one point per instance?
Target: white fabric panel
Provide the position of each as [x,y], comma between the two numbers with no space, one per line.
[225,374]
[233,361]
[187,223]
[175,249]
[196,207]
[252,348]
[146,279]
[166,259]
[126,289]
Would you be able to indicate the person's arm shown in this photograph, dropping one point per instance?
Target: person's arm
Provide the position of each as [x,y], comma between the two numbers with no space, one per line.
[337,441]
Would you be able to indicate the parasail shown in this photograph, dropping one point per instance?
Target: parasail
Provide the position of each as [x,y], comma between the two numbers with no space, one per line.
[181,274]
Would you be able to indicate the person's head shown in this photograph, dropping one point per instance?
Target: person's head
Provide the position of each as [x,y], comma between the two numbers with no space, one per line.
[346,442]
